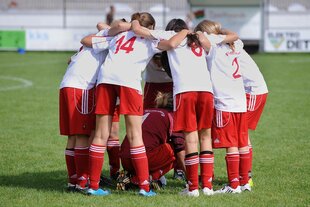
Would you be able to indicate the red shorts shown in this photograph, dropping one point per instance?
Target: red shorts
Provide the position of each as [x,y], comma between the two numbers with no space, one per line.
[193,111]
[131,102]
[229,130]
[158,158]
[151,90]
[255,104]
[76,111]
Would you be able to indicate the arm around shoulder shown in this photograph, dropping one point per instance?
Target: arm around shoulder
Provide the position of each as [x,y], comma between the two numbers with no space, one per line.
[174,41]
[118,26]
[230,36]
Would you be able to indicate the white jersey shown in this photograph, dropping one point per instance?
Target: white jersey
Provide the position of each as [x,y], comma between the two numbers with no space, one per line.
[127,58]
[83,69]
[229,93]
[253,79]
[155,74]
[188,66]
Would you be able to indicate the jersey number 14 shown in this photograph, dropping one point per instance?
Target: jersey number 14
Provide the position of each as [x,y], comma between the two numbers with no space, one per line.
[127,46]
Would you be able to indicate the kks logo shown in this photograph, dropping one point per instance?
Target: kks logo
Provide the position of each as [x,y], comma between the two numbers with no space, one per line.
[276,39]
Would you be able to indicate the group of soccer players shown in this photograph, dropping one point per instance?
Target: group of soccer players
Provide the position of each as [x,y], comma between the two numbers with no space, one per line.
[214,94]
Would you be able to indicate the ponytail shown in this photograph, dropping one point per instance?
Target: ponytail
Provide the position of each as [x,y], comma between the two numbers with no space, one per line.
[193,40]
[145,19]
[164,100]
[135,16]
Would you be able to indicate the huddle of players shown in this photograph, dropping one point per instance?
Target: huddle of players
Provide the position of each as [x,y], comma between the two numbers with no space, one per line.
[216,85]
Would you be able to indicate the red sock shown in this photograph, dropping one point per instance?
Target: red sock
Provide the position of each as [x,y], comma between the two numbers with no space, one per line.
[158,173]
[206,169]
[251,160]
[244,167]
[192,164]
[81,163]
[140,163]
[232,165]
[96,159]
[114,158]
[69,155]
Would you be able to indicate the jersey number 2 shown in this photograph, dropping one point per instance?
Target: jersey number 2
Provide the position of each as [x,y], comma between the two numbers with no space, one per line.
[127,46]
[235,74]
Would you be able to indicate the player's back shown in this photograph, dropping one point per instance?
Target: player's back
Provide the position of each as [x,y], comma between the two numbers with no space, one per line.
[127,58]
[226,78]
[83,69]
[253,79]
[189,69]
[156,128]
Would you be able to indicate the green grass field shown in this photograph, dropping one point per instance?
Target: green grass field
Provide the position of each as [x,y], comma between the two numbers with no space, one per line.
[32,166]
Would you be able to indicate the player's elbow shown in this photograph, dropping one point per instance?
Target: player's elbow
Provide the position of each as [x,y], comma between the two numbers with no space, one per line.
[172,45]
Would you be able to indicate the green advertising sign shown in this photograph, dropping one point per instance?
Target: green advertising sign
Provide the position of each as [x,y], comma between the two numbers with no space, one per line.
[10,39]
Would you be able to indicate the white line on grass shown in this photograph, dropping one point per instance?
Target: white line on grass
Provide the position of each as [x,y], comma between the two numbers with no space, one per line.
[11,65]
[299,61]
[23,83]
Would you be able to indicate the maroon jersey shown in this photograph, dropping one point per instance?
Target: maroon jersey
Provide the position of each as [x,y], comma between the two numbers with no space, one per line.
[156,130]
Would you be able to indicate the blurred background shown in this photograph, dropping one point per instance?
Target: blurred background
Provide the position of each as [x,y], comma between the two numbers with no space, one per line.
[58,25]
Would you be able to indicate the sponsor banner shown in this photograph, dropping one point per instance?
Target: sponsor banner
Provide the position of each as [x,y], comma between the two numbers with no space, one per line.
[12,39]
[287,40]
[245,20]
[55,39]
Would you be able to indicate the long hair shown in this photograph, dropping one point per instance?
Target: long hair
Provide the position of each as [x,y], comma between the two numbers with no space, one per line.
[145,19]
[164,100]
[209,27]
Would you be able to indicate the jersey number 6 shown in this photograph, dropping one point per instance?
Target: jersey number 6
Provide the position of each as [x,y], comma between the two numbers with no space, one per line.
[194,50]
[127,46]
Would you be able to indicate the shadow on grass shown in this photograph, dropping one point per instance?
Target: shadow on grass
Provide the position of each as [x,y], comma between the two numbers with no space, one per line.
[45,181]
[57,181]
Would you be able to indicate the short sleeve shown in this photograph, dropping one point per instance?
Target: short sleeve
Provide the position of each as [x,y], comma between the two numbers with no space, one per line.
[238,45]
[162,35]
[215,39]
[103,32]
[154,45]
[100,44]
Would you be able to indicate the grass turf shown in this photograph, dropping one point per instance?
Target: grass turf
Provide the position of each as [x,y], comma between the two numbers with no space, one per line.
[32,166]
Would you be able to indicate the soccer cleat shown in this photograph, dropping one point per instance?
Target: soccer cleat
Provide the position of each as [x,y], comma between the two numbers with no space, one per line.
[104,181]
[70,187]
[98,192]
[142,192]
[207,191]
[163,181]
[246,187]
[179,175]
[186,192]
[158,184]
[228,189]
[123,181]
[250,182]
[81,190]
[115,176]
